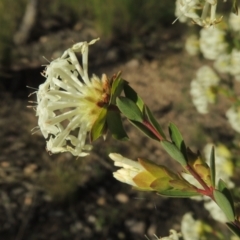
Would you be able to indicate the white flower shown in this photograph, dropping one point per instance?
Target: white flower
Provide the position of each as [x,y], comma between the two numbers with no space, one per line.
[69,102]
[203,88]
[212,42]
[223,162]
[192,45]
[235,64]
[189,8]
[234,21]
[233,115]
[129,169]
[186,9]
[173,236]
[190,228]
[222,63]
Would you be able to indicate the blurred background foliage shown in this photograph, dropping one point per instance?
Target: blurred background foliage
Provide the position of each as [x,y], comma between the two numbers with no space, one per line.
[111,19]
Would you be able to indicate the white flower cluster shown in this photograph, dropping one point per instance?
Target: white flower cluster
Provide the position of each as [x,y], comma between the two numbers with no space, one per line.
[229,63]
[212,42]
[213,45]
[203,88]
[190,228]
[67,102]
[190,9]
[233,115]
[192,45]
[234,21]
[186,9]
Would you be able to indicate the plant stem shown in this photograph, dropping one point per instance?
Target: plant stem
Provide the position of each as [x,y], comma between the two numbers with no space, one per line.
[153,130]
[208,191]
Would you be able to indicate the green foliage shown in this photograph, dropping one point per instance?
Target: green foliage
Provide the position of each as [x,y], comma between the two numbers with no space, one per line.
[131,94]
[114,123]
[149,116]
[99,126]
[213,167]
[116,88]
[225,204]
[116,17]
[11,13]
[129,109]
[110,18]
[174,152]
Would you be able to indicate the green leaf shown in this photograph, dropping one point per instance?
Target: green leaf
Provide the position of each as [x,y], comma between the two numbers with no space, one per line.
[144,130]
[153,121]
[174,152]
[178,193]
[224,204]
[131,94]
[114,123]
[212,167]
[234,229]
[99,125]
[222,187]
[177,139]
[116,88]
[176,136]
[129,109]
[235,7]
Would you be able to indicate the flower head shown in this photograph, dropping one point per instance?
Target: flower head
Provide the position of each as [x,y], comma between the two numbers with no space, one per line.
[189,9]
[233,115]
[69,102]
[203,89]
[192,45]
[147,176]
[212,42]
[190,228]
[234,21]
[234,64]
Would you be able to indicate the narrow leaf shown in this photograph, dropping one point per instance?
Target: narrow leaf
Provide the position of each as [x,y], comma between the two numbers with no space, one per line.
[153,121]
[131,94]
[129,109]
[224,204]
[99,125]
[177,139]
[114,123]
[175,135]
[222,187]
[116,88]
[178,193]
[174,152]
[212,167]
[144,130]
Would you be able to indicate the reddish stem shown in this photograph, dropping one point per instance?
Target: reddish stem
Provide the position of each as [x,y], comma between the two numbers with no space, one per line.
[153,130]
[208,191]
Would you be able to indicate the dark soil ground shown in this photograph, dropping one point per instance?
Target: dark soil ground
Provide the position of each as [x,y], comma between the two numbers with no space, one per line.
[57,197]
